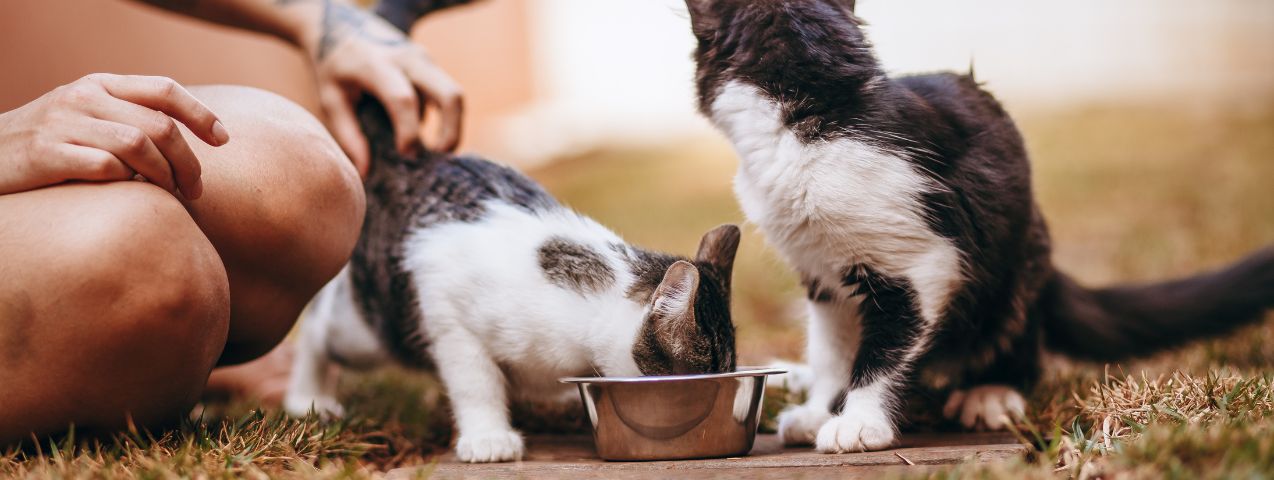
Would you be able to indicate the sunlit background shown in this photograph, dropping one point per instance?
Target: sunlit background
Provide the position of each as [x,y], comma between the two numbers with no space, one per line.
[1150,122]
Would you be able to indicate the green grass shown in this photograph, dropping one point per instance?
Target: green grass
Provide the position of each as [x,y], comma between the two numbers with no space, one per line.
[1131,193]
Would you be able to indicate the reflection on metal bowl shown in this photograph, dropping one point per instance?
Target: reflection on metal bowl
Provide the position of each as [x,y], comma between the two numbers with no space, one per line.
[674,417]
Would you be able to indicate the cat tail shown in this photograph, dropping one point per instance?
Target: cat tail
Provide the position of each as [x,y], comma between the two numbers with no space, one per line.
[403,13]
[377,127]
[372,116]
[1126,321]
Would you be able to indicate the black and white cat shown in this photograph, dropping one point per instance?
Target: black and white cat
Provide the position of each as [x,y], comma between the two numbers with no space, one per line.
[906,206]
[470,268]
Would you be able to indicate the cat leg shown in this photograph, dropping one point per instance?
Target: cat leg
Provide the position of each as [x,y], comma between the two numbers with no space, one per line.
[311,386]
[894,334]
[993,407]
[476,387]
[992,398]
[831,341]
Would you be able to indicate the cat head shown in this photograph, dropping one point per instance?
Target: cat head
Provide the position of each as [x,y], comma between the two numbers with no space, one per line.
[687,326]
[780,46]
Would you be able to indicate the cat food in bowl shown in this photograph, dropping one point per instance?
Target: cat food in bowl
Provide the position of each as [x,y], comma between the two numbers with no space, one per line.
[674,417]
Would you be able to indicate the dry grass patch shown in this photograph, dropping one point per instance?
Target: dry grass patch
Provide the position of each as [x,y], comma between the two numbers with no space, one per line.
[253,445]
[1123,407]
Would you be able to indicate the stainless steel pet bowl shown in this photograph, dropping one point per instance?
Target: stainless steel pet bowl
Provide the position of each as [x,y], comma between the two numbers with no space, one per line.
[674,417]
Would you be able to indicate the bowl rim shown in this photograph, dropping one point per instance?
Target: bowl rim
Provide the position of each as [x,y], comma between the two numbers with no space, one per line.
[747,372]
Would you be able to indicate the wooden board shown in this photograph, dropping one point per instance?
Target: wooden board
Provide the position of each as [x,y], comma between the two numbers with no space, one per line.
[573,457]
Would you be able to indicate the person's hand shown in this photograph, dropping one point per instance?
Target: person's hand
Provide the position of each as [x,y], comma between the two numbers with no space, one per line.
[104,128]
[354,52]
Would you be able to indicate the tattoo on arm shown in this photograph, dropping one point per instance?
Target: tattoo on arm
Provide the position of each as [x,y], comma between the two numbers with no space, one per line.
[341,20]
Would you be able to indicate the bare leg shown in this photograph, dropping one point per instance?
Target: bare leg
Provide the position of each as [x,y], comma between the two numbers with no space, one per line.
[282,205]
[112,302]
[262,381]
[116,301]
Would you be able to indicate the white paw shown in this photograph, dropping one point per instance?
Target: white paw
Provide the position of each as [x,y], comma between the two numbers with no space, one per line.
[799,425]
[302,405]
[496,446]
[987,406]
[798,379]
[857,430]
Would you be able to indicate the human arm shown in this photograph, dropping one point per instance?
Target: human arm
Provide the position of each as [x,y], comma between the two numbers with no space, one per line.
[352,52]
[107,127]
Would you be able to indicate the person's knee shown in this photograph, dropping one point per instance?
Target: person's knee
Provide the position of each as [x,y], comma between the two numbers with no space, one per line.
[166,279]
[310,199]
[172,322]
[133,310]
[291,208]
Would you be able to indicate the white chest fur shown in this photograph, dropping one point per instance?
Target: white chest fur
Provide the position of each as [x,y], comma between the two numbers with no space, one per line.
[830,204]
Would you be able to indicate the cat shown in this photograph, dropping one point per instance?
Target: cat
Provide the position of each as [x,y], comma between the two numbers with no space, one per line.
[905,205]
[473,270]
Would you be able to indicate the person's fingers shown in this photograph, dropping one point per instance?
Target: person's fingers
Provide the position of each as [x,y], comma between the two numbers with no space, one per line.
[389,85]
[92,164]
[343,123]
[164,134]
[168,96]
[445,94]
[129,144]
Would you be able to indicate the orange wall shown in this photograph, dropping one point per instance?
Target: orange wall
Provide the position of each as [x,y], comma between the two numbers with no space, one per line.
[487,48]
[46,43]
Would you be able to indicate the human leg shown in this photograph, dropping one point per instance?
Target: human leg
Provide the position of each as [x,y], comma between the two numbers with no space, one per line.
[112,304]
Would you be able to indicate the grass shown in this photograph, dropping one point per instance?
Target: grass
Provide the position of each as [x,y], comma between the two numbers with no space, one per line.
[1216,425]
[252,444]
[386,429]
[1131,192]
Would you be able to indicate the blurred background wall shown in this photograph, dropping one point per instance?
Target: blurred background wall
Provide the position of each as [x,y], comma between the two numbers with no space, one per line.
[548,77]
[46,43]
[620,70]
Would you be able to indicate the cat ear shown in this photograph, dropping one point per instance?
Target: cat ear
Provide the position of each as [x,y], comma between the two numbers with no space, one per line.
[672,308]
[718,248]
[703,17]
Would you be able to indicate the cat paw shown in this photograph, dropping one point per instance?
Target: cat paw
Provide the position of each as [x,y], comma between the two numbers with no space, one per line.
[993,407]
[799,425]
[302,405]
[485,447]
[856,430]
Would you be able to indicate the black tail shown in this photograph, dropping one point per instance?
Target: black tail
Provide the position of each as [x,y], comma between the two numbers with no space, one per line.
[377,127]
[403,13]
[372,116]
[1128,321]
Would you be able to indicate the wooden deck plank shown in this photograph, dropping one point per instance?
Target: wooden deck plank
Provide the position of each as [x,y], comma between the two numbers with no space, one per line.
[573,457]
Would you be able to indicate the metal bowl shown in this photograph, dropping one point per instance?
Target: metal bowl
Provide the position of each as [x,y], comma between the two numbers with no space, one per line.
[674,417]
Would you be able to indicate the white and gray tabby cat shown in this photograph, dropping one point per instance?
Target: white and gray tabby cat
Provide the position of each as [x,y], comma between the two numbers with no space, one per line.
[470,268]
[906,206]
